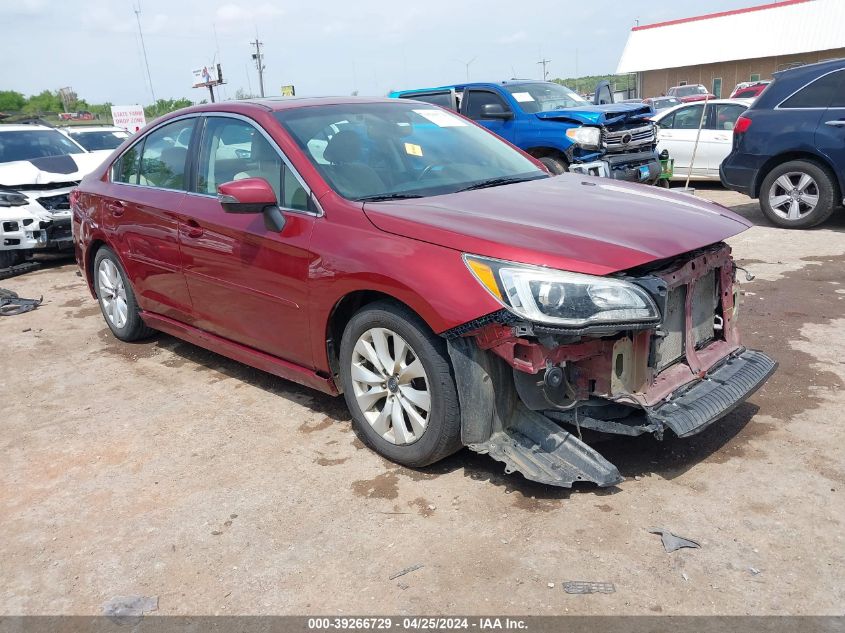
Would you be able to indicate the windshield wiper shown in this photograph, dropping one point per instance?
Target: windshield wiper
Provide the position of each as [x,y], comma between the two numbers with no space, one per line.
[495,182]
[388,196]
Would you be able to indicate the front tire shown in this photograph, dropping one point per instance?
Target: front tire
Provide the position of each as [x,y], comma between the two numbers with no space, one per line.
[117,299]
[398,385]
[555,165]
[798,195]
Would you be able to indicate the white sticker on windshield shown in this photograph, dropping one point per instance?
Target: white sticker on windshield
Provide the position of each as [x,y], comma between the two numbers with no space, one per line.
[441,118]
[522,97]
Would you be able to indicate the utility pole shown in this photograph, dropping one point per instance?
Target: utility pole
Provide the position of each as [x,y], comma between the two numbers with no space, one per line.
[259,64]
[144,49]
[544,61]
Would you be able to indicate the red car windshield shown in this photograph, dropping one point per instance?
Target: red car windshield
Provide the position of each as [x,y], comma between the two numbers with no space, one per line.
[689,91]
[402,149]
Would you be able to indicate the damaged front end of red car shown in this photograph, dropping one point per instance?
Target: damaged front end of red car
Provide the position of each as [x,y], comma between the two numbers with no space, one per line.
[529,390]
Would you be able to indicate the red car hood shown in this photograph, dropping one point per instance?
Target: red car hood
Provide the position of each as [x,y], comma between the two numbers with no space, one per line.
[570,222]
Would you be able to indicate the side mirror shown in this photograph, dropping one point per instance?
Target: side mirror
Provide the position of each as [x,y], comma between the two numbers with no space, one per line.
[495,111]
[252,195]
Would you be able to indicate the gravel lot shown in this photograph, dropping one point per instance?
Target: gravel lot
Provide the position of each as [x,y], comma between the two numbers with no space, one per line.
[160,469]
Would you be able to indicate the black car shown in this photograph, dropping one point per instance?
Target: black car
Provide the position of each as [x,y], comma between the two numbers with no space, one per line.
[789,146]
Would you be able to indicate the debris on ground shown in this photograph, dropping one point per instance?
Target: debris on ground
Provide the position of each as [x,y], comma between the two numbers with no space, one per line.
[407,570]
[402,585]
[583,586]
[754,571]
[672,542]
[129,609]
[551,585]
[18,269]
[684,575]
[11,303]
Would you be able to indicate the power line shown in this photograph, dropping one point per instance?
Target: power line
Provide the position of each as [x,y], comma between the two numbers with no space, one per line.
[144,49]
[259,64]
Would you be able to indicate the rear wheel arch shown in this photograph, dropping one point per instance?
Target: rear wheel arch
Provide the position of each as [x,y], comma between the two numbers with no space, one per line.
[90,256]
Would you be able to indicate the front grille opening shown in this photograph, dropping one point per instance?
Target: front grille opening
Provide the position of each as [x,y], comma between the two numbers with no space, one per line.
[670,348]
[60,202]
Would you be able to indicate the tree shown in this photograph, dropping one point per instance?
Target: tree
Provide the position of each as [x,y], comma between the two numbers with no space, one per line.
[11,101]
[163,106]
[43,103]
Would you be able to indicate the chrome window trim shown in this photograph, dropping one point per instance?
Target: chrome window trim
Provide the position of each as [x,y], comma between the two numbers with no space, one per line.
[778,106]
[231,115]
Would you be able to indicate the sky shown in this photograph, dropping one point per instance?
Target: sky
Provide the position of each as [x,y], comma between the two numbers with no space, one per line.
[323,47]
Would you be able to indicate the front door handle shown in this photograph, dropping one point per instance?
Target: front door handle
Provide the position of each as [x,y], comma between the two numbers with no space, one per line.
[836,123]
[194,229]
[116,207]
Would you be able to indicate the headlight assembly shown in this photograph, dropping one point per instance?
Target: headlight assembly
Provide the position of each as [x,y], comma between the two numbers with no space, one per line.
[586,137]
[12,198]
[565,299]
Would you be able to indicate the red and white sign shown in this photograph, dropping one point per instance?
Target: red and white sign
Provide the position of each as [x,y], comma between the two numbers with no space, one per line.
[130,118]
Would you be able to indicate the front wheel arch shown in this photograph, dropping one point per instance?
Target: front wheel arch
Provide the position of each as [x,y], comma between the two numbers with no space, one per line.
[344,309]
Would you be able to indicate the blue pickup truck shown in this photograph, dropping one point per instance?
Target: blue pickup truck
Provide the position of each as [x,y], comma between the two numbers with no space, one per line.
[558,126]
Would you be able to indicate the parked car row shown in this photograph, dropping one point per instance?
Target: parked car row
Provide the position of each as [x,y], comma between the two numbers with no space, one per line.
[39,165]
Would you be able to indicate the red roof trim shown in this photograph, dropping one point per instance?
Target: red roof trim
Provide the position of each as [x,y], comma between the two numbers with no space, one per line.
[762,7]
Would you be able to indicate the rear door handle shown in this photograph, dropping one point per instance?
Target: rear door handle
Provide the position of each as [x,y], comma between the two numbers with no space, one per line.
[194,228]
[836,123]
[116,207]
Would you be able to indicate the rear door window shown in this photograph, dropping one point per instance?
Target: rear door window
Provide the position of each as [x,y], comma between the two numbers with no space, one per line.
[165,154]
[724,115]
[126,170]
[818,94]
[688,118]
[444,99]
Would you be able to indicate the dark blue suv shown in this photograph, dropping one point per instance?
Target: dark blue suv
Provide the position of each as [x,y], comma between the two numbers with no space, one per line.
[789,146]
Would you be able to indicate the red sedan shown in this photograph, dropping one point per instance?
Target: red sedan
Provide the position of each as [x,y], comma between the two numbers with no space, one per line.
[442,280]
[689,94]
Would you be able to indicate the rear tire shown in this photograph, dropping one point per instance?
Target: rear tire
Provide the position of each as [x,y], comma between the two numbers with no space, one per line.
[798,194]
[392,366]
[554,165]
[117,299]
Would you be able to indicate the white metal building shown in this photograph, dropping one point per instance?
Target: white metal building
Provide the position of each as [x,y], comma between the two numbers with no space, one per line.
[720,50]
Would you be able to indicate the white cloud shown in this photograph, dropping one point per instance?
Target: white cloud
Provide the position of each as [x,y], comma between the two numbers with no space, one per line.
[230,13]
[513,38]
[23,7]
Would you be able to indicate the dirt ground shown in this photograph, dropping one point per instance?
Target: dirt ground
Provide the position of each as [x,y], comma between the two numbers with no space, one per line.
[160,469]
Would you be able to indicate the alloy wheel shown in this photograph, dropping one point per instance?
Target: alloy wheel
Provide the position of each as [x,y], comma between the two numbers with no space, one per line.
[112,293]
[794,195]
[390,386]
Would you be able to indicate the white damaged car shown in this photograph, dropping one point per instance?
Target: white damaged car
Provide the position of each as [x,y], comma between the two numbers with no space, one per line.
[38,167]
